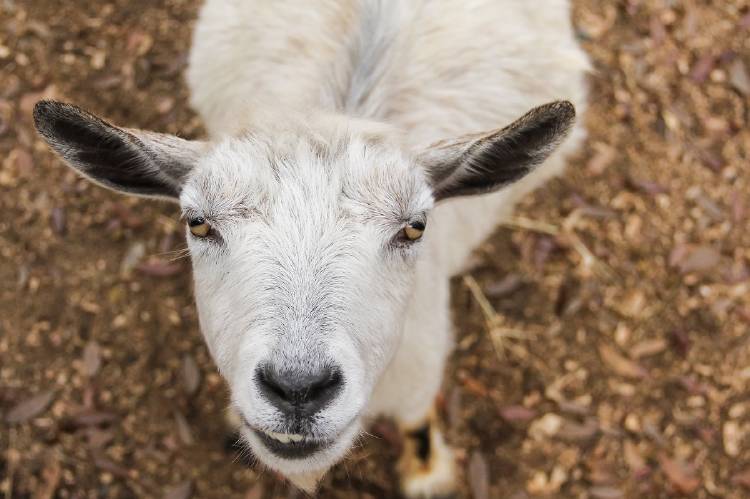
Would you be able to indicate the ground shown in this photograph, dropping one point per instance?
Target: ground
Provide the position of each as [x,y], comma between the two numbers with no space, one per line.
[603,334]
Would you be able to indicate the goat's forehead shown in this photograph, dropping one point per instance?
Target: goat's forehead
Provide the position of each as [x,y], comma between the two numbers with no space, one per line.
[306,171]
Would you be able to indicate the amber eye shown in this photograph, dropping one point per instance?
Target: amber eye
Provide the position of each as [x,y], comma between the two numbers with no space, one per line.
[414,231]
[199,227]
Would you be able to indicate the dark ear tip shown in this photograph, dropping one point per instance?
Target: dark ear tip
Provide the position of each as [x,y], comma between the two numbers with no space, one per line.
[563,109]
[45,111]
[41,111]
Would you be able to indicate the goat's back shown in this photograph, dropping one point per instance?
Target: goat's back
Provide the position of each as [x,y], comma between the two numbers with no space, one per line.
[437,68]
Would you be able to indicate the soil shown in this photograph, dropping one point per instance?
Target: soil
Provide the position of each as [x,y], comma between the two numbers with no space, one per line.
[602,334]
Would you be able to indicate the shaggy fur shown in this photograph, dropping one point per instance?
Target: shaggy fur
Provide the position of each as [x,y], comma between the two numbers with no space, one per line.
[334,125]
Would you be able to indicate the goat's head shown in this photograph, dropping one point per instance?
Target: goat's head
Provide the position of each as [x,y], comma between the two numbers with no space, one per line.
[304,241]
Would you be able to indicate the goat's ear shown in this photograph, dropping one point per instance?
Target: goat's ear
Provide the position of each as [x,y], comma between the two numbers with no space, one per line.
[125,160]
[483,163]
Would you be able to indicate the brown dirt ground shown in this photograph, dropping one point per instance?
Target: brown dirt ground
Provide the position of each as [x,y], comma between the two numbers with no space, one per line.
[610,359]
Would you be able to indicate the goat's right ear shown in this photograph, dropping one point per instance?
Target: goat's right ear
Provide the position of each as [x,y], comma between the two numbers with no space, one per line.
[477,164]
[125,160]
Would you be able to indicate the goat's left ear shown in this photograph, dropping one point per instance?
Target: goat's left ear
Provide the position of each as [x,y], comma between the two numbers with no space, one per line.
[125,160]
[483,163]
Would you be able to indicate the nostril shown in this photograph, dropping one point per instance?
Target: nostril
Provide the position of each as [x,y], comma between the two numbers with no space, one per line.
[271,383]
[302,393]
[327,381]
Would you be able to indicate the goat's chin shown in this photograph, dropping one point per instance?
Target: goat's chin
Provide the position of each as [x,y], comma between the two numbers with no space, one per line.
[305,473]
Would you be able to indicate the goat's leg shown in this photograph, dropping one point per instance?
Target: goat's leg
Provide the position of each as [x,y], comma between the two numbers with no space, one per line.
[427,465]
[408,391]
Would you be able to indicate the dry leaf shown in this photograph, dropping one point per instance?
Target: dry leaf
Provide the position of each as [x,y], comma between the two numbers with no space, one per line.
[30,408]
[256,491]
[104,463]
[603,157]
[702,68]
[699,259]
[181,491]
[620,364]
[92,418]
[517,413]
[681,476]
[605,493]
[50,479]
[742,478]
[58,220]
[191,376]
[646,348]
[508,284]
[159,268]
[475,386]
[183,429]
[97,438]
[633,457]
[739,77]
[91,358]
[573,432]
[478,474]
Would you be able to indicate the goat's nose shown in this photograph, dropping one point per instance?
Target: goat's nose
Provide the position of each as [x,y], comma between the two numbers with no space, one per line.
[301,394]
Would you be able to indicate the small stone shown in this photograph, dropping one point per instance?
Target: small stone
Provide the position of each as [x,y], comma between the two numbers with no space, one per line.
[732,435]
[546,426]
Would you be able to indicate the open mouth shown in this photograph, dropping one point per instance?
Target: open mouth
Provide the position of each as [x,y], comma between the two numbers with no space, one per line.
[290,445]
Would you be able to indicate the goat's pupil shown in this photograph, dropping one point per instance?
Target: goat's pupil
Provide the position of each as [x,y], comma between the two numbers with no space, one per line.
[196,221]
[417,225]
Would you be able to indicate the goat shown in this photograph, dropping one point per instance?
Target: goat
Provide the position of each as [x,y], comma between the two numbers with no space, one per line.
[354,162]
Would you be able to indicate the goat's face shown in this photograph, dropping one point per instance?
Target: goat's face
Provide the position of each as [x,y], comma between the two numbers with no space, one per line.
[303,263]
[304,243]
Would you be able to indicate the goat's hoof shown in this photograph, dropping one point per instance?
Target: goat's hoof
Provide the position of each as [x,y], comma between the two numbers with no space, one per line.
[427,466]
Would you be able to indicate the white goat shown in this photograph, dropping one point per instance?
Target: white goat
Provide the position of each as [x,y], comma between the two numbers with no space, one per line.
[336,125]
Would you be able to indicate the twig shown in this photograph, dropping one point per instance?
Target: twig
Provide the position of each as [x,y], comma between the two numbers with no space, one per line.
[532,225]
[490,316]
[494,320]
[588,259]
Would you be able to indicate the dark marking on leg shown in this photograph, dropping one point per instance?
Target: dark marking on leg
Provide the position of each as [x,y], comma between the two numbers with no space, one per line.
[421,437]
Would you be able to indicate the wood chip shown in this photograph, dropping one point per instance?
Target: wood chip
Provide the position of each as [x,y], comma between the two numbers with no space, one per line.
[699,259]
[91,358]
[507,285]
[58,220]
[647,348]
[191,376]
[603,492]
[159,268]
[681,476]
[256,491]
[739,77]
[183,429]
[30,408]
[571,431]
[479,478]
[620,364]
[603,157]
[702,68]
[51,475]
[517,413]
[180,491]
[633,457]
[742,478]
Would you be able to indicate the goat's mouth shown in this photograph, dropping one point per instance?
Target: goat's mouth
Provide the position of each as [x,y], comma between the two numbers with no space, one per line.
[291,445]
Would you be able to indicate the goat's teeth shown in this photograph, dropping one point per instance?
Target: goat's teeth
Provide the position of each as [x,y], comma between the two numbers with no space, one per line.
[285,438]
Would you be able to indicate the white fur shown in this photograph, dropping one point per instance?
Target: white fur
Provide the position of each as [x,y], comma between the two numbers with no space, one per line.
[318,109]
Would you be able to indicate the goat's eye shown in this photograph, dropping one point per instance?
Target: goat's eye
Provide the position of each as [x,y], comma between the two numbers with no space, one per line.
[413,231]
[199,227]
